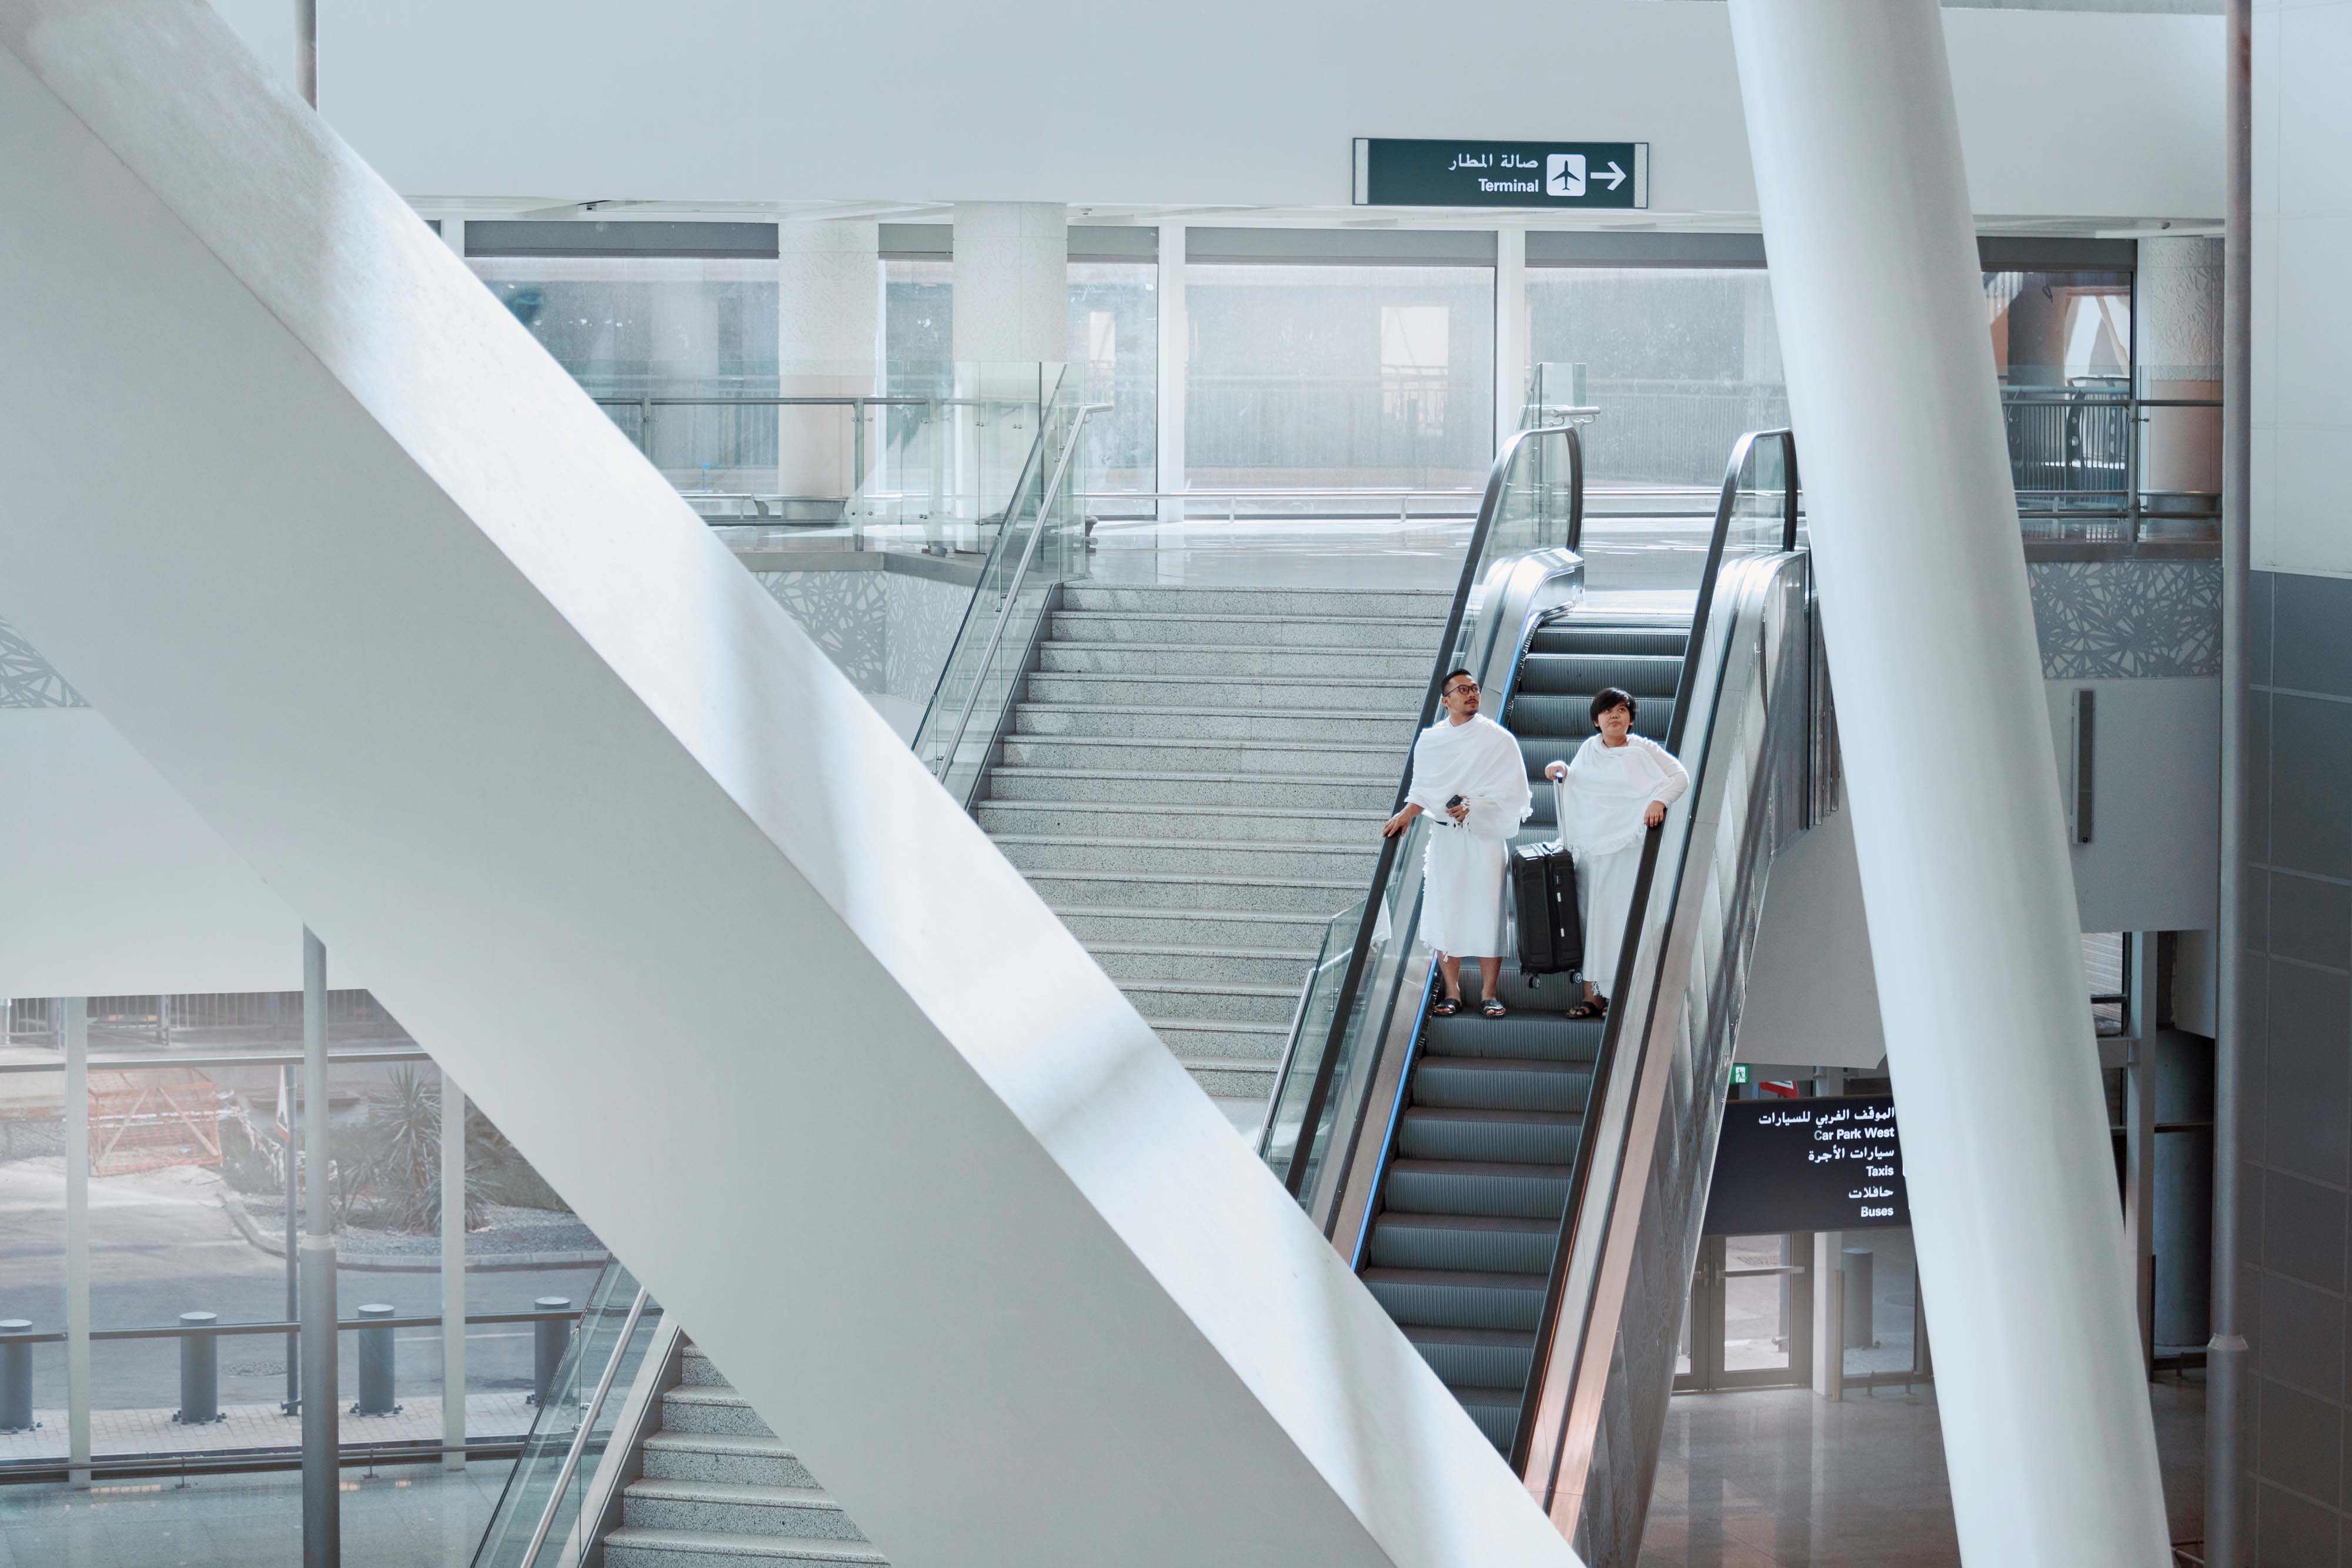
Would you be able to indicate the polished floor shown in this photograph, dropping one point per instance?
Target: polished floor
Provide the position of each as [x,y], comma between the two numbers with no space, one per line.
[1780,1478]
[400,1516]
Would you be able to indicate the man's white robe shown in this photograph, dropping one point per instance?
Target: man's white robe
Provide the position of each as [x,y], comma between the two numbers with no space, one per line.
[1461,872]
[1599,808]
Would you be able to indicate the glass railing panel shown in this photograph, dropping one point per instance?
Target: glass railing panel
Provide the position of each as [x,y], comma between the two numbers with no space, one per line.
[550,1482]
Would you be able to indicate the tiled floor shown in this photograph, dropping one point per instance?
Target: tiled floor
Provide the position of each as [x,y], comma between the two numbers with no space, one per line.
[404,1516]
[1778,1479]
[487,1416]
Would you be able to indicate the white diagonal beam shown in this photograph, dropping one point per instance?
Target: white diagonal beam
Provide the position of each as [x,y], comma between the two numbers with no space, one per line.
[372,583]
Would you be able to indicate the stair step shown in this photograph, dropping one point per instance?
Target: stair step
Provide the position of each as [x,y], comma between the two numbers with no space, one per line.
[732,1508]
[756,1461]
[1131,889]
[1472,1186]
[1223,1080]
[1224,1043]
[1500,1244]
[1133,962]
[1255,665]
[1213,1000]
[1133,859]
[1241,791]
[1374,697]
[1234,629]
[1169,723]
[1172,822]
[696,1370]
[1355,602]
[1528,1034]
[630,1547]
[1285,759]
[1451,1299]
[1097,926]
[720,1412]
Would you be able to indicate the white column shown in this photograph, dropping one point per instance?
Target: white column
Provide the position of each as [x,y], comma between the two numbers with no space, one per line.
[828,344]
[1175,339]
[1964,868]
[1012,282]
[453,1274]
[72,1018]
[1510,330]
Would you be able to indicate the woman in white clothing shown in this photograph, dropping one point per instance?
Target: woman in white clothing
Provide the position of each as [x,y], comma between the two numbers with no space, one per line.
[1619,785]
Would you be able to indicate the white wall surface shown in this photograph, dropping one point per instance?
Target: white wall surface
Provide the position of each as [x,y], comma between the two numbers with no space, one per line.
[1222,102]
[2303,309]
[319,527]
[1812,995]
[2154,860]
[114,886]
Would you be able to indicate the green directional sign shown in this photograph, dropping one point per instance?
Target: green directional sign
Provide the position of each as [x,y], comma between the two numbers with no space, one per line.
[1558,175]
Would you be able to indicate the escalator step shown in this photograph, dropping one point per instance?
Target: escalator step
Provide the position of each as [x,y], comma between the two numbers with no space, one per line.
[1534,1032]
[1477,1360]
[1570,636]
[1500,1245]
[1643,675]
[1500,1083]
[1556,723]
[1451,1299]
[1517,1137]
[1469,1187]
[1496,1411]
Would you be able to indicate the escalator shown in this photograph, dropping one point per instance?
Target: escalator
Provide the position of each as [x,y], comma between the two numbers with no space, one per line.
[1524,1196]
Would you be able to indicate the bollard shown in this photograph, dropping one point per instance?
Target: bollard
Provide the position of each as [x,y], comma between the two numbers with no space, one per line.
[199,1372]
[375,1365]
[550,1337]
[15,1378]
[1858,1326]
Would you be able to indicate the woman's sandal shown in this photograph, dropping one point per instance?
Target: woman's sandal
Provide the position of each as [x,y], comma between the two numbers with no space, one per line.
[1447,1007]
[1494,1009]
[1591,1008]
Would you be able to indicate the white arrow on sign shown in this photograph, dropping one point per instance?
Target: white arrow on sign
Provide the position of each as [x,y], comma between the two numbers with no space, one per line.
[1616,176]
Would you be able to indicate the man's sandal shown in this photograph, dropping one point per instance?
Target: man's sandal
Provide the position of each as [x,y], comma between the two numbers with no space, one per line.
[1447,1007]
[1494,1009]
[1592,1008]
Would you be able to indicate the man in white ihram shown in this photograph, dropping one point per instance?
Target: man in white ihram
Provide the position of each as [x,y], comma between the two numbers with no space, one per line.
[1467,773]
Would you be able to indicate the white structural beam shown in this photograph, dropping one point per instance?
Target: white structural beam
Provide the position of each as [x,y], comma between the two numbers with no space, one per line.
[371,583]
[1957,832]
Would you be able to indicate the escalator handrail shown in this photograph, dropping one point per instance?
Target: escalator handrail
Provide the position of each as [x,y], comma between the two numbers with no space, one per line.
[1645,876]
[1012,594]
[1489,504]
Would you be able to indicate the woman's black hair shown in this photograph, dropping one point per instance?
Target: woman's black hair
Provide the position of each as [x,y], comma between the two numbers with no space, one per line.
[1608,697]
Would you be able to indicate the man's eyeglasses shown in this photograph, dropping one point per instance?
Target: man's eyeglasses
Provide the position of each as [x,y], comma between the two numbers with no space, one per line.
[1458,687]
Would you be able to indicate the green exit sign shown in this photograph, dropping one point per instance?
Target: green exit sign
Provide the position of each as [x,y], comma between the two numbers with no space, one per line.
[1739,1074]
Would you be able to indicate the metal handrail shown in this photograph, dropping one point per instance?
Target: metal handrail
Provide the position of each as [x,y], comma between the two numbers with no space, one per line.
[1012,588]
[1351,983]
[218,1330]
[580,1437]
[1645,877]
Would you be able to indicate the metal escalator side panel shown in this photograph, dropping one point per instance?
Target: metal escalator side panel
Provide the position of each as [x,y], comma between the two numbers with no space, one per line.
[1606,1366]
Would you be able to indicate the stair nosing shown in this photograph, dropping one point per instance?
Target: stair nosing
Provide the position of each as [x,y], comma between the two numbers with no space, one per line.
[752,1494]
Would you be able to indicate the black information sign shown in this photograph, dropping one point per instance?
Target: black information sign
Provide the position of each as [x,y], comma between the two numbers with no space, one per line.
[1560,174]
[1807,1164]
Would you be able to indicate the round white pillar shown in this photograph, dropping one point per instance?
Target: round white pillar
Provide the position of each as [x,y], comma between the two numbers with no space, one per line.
[1012,282]
[1947,751]
[828,344]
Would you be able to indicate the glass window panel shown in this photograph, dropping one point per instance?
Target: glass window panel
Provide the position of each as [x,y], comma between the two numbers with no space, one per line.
[1681,361]
[1314,377]
[1756,1326]
[2061,329]
[514,1212]
[1114,335]
[33,1225]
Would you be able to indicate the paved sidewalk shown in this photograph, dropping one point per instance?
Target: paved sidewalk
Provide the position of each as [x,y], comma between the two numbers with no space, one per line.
[249,1427]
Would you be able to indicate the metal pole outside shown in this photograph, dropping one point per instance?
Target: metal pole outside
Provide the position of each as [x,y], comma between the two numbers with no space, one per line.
[453,1274]
[306,49]
[2225,1354]
[293,1403]
[71,1016]
[323,1546]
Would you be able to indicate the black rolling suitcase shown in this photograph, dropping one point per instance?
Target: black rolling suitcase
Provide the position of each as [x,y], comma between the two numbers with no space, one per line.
[1543,895]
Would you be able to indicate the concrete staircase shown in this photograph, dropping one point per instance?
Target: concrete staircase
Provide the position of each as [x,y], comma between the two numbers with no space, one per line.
[1194,780]
[719,1490]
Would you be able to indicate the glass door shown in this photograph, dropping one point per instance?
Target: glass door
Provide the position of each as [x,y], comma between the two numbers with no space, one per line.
[1750,1324]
